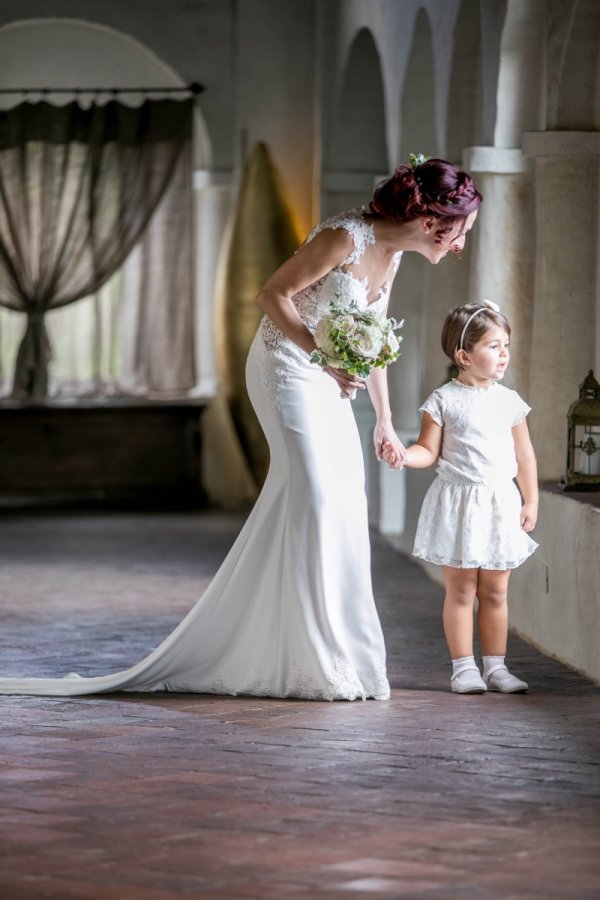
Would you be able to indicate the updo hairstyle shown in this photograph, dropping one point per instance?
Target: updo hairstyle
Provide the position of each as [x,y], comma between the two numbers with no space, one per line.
[485,318]
[434,188]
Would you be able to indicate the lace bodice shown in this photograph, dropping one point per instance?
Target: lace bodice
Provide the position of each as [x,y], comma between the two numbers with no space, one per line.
[313,301]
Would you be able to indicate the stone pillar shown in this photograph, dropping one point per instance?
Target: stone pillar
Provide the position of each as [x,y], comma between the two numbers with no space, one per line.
[565,303]
[212,205]
[502,252]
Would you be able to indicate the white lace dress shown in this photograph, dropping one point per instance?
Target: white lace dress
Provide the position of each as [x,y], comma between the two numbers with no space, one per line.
[290,613]
[470,514]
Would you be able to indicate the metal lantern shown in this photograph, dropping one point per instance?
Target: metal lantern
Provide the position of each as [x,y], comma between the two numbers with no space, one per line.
[583,452]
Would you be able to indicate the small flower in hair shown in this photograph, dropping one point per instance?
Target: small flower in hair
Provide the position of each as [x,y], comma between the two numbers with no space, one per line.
[490,305]
[417,159]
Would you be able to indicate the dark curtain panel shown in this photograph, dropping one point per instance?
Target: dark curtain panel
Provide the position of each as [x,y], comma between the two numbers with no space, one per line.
[78,188]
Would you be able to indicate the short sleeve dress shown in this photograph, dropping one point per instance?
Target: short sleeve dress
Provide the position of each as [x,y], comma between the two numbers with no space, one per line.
[471,513]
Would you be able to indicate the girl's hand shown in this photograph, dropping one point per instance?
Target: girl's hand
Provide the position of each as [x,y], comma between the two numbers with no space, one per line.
[348,383]
[529,513]
[389,455]
[386,441]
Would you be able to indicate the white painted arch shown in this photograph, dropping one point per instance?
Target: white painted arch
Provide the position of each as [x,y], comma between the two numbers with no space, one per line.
[63,52]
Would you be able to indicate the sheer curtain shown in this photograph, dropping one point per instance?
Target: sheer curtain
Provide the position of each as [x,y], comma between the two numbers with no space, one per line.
[95,207]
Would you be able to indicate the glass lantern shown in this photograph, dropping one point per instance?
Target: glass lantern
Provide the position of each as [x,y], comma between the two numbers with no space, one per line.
[583,452]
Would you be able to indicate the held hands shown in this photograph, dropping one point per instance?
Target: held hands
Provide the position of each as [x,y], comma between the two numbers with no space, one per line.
[392,452]
[529,513]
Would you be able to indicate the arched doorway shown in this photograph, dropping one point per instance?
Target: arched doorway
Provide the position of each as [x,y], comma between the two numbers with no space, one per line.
[356,155]
[74,53]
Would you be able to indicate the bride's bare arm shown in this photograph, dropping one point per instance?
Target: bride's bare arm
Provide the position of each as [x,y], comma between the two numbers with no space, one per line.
[384,430]
[313,260]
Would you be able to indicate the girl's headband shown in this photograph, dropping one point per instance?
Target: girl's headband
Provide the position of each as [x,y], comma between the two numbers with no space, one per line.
[483,304]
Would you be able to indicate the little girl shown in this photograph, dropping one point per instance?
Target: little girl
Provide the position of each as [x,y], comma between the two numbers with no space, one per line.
[472,522]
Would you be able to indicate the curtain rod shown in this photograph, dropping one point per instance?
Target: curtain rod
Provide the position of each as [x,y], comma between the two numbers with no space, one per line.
[194,88]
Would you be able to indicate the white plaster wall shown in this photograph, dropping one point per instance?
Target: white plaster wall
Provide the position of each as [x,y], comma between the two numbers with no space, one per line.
[555,596]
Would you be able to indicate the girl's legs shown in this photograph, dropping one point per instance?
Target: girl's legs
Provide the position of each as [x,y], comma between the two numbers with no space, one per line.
[461,587]
[492,622]
[492,615]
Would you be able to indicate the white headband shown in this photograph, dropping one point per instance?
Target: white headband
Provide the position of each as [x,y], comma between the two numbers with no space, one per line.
[484,304]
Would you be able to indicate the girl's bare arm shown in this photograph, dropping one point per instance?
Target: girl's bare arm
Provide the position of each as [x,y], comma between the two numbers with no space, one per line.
[526,475]
[426,450]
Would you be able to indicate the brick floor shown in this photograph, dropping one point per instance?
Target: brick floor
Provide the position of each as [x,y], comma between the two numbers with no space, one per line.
[429,795]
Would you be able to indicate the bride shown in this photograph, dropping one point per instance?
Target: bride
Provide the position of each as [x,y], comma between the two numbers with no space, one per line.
[291,613]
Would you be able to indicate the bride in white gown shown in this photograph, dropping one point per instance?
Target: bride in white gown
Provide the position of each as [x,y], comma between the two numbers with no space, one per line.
[291,612]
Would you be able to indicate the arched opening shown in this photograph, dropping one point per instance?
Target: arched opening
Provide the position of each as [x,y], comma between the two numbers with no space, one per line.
[358,143]
[66,53]
[519,94]
[357,153]
[577,99]
[77,53]
[464,119]
[418,114]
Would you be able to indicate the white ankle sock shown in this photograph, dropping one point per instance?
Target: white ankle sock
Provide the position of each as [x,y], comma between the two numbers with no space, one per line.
[463,662]
[492,662]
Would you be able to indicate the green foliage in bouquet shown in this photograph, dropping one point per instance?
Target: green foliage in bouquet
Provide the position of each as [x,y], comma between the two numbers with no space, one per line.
[355,339]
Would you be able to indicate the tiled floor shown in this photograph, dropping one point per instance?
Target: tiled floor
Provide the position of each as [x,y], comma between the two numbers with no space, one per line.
[429,795]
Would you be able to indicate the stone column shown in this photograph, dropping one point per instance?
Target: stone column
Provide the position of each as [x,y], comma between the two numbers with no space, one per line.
[212,205]
[502,252]
[565,302]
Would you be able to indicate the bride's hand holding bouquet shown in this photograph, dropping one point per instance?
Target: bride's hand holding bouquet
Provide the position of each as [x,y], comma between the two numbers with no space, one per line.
[352,341]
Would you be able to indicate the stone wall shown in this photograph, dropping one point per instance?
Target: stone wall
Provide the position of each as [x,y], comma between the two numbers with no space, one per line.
[554,597]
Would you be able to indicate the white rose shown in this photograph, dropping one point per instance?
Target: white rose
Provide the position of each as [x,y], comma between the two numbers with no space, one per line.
[322,332]
[323,341]
[346,325]
[368,341]
[391,343]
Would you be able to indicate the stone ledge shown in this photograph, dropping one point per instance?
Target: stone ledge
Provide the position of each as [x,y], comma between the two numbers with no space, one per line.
[590,498]
[496,161]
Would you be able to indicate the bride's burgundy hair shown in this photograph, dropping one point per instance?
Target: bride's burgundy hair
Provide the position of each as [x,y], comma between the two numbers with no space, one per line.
[434,188]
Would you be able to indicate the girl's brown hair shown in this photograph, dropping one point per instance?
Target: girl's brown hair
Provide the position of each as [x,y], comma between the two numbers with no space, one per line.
[485,318]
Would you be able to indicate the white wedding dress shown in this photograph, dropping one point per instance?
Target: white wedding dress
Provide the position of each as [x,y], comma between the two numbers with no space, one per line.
[290,613]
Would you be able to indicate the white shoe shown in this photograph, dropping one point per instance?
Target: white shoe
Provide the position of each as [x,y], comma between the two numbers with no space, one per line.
[468,681]
[500,679]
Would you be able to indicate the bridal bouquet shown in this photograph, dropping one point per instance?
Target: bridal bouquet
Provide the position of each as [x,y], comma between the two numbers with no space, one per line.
[355,339]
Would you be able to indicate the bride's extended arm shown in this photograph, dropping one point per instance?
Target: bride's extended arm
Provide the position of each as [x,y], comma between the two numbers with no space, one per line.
[312,261]
[384,430]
